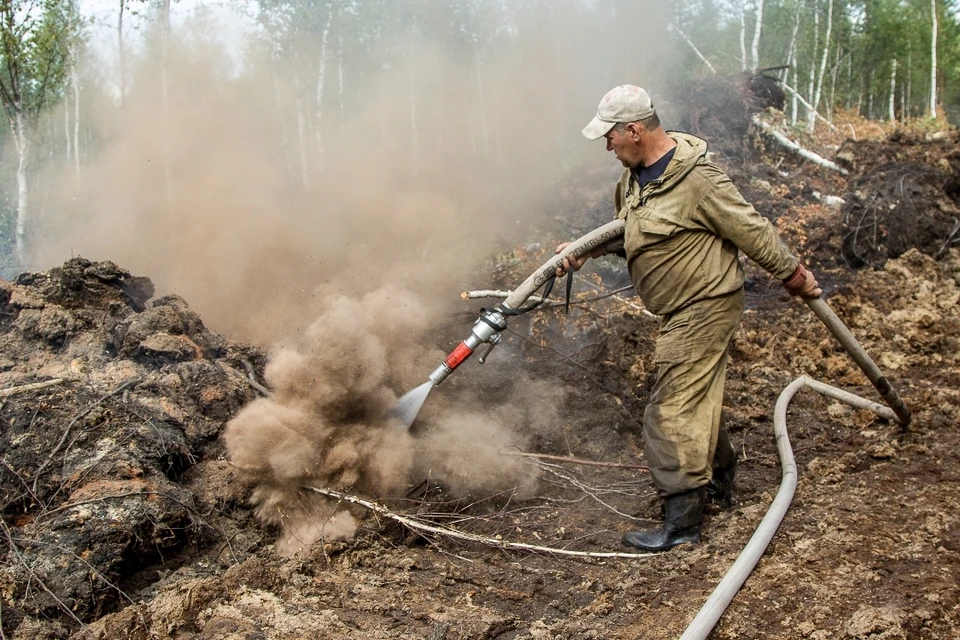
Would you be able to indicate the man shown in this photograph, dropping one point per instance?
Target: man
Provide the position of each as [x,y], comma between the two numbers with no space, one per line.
[685,222]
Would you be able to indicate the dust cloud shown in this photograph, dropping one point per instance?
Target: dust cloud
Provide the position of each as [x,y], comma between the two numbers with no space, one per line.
[341,234]
[328,423]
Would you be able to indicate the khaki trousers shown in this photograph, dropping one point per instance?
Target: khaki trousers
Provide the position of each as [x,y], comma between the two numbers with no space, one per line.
[682,421]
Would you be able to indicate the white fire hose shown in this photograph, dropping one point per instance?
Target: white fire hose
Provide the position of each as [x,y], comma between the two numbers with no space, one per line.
[723,594]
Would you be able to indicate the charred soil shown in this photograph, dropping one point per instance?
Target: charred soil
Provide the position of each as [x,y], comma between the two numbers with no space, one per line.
[123,518]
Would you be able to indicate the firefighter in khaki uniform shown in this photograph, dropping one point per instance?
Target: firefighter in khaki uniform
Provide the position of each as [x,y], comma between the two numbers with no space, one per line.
[685,222]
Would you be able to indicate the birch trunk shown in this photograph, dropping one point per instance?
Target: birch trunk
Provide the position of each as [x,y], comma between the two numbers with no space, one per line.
[795,96]
[21,135]
[165,97]
[121,63]
[284,133]
[66,129]
[755,48]
[743,38]
[792,49]
[301,132]
[812,117]
[696,51]
[481,104]
[75,82]
[321,79]
[796,148]
[340,93]
[816,47]
[891,106]
[933,60]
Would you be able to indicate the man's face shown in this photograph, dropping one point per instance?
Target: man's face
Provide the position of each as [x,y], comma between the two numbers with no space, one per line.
[626,145]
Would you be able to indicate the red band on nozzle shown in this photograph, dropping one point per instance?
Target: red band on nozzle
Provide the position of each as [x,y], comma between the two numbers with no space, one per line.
[458,355]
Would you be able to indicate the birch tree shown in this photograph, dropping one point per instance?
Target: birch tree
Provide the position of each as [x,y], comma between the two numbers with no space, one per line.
[71,129]
[755,48]
[743,35]
[815,100]
[891,106]
[321,80]
[33,49]
[933,59]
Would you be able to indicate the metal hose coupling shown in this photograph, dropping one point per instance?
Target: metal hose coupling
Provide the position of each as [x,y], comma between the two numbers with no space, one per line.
[486,330]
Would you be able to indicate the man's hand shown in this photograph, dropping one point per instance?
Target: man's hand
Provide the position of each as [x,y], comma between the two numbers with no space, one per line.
[571,263]
[803,283]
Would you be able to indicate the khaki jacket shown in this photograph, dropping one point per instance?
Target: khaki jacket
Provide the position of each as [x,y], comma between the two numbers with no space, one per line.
[683,231]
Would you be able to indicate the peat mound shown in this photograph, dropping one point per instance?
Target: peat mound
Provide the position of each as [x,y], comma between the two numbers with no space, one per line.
[897,207]
[109,401]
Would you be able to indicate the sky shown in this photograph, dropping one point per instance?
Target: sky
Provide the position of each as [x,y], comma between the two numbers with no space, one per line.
[104,13]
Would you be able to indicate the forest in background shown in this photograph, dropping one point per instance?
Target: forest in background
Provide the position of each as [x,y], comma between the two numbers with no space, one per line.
[121,145]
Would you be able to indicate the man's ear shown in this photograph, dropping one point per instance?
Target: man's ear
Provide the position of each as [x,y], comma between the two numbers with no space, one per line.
[635,129]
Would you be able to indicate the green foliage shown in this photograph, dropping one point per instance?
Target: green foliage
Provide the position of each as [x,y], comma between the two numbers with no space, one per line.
[867,35]
[34,40]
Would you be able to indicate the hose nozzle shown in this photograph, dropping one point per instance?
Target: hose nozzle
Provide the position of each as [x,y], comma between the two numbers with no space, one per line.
[486,330]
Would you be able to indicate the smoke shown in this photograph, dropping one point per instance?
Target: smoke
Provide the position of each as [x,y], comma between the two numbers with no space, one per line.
[328,422]
[340,232]
[231,187]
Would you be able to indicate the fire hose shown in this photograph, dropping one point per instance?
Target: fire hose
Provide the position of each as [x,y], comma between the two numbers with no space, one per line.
[491,323]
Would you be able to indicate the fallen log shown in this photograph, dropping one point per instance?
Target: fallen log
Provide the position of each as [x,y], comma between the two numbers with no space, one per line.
[817,159]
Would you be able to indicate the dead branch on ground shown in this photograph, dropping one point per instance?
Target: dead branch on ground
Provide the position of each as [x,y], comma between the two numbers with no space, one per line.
[252,377]
[418,525]
[592,492]
[815,158]
[6,393]
[572,460]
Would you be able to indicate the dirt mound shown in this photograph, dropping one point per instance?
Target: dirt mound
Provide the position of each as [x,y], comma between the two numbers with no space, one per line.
[126,516]
[897,207]
[110,402]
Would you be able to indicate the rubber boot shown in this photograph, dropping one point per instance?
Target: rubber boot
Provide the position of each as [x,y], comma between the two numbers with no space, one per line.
[720,487]
[681,524]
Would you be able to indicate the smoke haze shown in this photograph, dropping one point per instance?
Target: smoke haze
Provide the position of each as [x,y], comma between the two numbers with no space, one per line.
[241,195]
[328,424]
[339,230]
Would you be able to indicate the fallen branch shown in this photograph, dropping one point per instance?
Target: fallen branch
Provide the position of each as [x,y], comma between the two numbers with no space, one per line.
[9,468]
[252,377]
[544,456]
[418,525]
[809,106]
[500,293]
[572,361]
[6,393]
[950,238]
[693,46]
[796,148]
[589,491]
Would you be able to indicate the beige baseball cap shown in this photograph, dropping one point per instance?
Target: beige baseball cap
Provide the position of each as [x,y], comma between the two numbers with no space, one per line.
[626,103]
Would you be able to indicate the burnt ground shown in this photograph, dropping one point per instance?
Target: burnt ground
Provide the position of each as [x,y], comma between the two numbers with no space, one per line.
[123,518]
